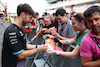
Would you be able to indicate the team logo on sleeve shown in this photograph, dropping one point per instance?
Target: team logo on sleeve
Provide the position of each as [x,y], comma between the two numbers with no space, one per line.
[13,38]
[21,33]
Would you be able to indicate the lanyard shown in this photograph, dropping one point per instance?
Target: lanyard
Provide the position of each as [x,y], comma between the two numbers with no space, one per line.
[80,34]
[95,40]
[61,29]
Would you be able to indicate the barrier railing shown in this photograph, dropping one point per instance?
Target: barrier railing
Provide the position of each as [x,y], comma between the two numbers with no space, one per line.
[51,60]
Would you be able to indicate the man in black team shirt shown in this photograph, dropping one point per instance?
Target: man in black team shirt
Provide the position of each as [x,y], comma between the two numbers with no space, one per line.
[48,25]
[15,49]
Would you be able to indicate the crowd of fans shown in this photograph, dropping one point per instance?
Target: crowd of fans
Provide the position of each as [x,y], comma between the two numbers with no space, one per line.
[79,29]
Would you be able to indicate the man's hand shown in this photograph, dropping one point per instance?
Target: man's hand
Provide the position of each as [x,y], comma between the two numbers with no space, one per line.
[42,48]
[44,29]
[32,39]
[54,33]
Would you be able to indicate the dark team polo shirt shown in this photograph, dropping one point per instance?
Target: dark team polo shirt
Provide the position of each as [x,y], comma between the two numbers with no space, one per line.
[51,25]
[14,42]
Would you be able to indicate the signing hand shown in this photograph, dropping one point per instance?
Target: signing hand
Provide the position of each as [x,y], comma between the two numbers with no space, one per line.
[54,33]
[42,48]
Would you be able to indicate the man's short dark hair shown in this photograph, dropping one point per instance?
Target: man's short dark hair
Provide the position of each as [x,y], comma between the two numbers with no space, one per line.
[60,12]
[25,8]
[41,19]
[91,10]
[67,13]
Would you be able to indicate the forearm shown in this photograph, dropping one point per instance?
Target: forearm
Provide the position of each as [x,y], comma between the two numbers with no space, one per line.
[37,31]
[29,46]
[63,38]
[67,54]
[75,53]
[27,53]
[69,41]
[47,31]
[91,64]
[60,37]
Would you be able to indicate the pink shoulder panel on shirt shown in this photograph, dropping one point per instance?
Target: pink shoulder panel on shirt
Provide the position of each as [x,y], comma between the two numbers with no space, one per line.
[88,47]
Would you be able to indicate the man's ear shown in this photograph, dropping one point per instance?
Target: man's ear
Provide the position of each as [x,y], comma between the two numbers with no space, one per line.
[65,14]
[82,22]
[22,14]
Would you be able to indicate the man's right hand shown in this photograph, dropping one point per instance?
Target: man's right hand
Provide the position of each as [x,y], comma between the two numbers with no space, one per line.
[54,33]
[42,48]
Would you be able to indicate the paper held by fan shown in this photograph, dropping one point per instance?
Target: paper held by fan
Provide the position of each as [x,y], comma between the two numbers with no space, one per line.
[51,45]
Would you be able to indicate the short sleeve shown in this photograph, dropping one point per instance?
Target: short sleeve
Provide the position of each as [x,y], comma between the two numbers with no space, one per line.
[14,42]
[71,32]
[85,48]
[80,39]
[38,28]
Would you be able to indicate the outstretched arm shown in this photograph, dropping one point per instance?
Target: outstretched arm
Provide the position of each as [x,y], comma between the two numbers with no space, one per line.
[27,53]
[37,34]
[54,33]
[75,53]
[69,41]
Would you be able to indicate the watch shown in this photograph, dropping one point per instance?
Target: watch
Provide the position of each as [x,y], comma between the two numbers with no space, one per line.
[36,46]
[57,52]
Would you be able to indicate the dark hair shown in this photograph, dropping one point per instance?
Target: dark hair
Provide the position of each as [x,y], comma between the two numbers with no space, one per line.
[67,13]
[60,12]
[25,8]
[79,17]
[56,24]
[91,10]
[41,19]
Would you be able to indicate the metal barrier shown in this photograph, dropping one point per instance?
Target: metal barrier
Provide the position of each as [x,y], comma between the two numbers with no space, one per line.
[51,60]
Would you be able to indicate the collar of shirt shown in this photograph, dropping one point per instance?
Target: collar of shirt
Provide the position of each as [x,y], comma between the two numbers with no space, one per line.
[93,35]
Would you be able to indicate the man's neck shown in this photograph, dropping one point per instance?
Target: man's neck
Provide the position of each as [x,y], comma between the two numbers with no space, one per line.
[64,21]
[18,22]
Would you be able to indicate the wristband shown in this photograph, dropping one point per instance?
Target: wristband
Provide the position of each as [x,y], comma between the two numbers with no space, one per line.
[62,42]
[34,36]
[57,52]
[36,46]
